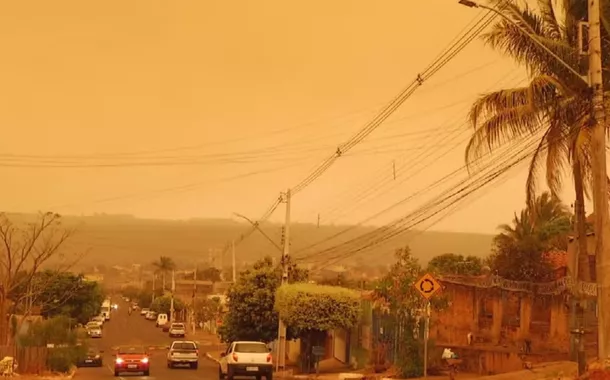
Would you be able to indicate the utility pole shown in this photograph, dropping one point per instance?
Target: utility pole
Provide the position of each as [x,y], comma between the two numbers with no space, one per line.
[600,184]
[281,336]
[233,260]
[194,314]
[153,287]
[171,305]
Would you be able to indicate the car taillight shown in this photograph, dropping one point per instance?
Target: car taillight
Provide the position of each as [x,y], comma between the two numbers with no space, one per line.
[119,360]
[145,360]
[268,358]
[234,357]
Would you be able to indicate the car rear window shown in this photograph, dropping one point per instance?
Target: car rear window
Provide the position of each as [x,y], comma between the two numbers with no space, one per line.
[132,350]
[177,325]
[258,348]
[184,346]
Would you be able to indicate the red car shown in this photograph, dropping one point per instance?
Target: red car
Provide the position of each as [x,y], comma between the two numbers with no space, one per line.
[131,359]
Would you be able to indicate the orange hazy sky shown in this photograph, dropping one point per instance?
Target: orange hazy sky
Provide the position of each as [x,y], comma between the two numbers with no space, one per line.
[180,109]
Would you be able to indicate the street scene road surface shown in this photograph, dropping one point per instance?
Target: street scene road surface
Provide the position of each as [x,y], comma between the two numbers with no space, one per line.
[125,330]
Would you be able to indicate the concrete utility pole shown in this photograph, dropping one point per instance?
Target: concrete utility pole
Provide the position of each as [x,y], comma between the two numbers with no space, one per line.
[194,314]
[600,183]
[281,336]
[153,287]
[233,261]
[171,305]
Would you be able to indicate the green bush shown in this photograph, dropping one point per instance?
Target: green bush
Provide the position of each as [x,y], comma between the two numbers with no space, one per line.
[319,307]
[61,359]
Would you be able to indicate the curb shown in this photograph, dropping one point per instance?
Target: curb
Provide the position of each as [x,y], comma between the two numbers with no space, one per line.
[211,358]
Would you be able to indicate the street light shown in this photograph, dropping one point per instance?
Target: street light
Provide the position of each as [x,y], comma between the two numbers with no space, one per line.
[473,4]
[255,225]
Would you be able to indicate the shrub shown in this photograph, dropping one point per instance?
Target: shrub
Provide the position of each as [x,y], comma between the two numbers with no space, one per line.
[61,359]
[317,307]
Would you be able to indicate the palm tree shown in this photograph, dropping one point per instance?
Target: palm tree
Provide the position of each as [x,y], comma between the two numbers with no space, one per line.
[546,222]
[521,246]
[164,266]
[555,103]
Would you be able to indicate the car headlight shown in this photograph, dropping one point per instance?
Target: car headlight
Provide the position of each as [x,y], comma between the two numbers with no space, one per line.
[119,360]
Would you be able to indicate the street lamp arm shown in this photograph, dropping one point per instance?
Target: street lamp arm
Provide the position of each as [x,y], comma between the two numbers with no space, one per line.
[533,37]
[257,227]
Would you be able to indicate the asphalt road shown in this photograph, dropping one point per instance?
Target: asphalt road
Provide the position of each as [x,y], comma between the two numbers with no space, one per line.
[124,329]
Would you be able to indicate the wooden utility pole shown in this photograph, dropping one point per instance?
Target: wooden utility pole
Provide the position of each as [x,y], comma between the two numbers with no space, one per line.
[600,182]
[281,336]
[194,313]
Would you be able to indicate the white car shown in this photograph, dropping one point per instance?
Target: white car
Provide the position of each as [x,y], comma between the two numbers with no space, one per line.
[183,352]
[177,329]
[99,319]
[94,332]
[246,359]
[93,324]
[144,311]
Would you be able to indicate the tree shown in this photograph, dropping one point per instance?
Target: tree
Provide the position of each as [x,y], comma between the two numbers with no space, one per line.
[520,248]
[311,310]
[555,103]
[251,314]
[24,249]
[163,305]
[164,266]
[59,293]
[451,263]
[402,305]
[209,309]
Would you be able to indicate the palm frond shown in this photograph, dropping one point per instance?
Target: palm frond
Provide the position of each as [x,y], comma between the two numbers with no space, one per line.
[551,27]
[535,166]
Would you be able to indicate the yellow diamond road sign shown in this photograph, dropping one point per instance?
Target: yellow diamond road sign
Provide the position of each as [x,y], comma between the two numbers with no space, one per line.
[427,286]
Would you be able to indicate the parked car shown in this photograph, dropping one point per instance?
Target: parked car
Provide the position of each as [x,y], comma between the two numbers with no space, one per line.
[177,329]
[100,319]
[246,359]
[151,316]
[94,332]
[161,320]
[131,359]
[93,358]
[93,324]
[144,311]
[183,352]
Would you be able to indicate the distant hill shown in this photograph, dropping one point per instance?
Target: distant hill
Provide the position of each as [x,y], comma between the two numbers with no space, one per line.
[123,239]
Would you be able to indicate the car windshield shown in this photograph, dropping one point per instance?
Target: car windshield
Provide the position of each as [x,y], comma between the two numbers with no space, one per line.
[251,348]
[96,328]
[177,326]
[131,351]
[184,346]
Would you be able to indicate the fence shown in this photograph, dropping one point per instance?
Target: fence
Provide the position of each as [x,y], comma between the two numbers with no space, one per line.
[31,360]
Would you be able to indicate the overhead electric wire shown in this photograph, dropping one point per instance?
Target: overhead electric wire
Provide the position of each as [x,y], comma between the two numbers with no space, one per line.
[445,57]
[410,161]
[388,232]
[457,47]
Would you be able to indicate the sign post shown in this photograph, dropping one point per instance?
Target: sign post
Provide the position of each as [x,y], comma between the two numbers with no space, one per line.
[427,286]
[318,352]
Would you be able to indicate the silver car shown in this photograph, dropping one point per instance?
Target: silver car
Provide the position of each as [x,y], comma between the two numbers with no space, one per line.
[177,329]
[94,332]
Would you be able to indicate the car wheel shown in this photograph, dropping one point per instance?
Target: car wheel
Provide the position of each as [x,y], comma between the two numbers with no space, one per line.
[147,373]
[194,365]
[169,364]
[269,376]
[116,373]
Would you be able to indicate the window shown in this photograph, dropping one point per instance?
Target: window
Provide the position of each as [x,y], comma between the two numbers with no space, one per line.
[255,348]
[132,351]
[184,346]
